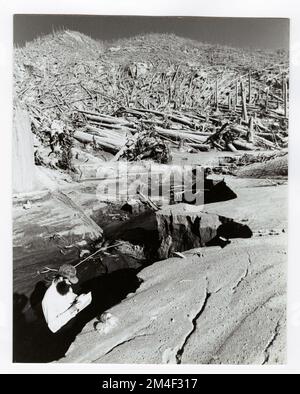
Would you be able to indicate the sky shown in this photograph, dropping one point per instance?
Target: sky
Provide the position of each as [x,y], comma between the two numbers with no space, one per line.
[262,33]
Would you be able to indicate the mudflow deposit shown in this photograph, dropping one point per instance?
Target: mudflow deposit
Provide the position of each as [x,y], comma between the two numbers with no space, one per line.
[181,280]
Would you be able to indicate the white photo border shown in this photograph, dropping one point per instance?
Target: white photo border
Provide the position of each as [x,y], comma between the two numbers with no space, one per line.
[216,8]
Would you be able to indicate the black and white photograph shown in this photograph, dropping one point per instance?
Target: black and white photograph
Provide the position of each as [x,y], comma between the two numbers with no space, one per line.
[150,178]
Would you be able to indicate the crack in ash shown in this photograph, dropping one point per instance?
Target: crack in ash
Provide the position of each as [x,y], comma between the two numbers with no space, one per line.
[241,280]
[180,352]
[271,343]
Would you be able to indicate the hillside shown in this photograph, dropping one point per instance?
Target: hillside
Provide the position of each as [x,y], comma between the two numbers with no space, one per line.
[66,74]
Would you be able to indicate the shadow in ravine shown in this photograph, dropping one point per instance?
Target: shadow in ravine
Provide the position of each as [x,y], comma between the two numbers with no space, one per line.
[35,343]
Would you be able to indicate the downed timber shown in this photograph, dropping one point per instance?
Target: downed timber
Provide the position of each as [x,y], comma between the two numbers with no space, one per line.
[119,135]
[276,97]
[86,138]
[104,118]
[195,133]
[260,125]
[194,137]
[241,145]
[218,146]
[175,118]
[262,141]
[231,147]
[217,134]
[271,137]
[119,154]
[112,126]
[273,168]
[201,147]
[239,108]
[184,132]
[239,129]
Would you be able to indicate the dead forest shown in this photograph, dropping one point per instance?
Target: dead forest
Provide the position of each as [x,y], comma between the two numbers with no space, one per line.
[140,97]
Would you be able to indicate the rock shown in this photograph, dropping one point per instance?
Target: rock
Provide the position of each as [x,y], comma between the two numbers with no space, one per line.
[106,323]
[27,205]
[181,230]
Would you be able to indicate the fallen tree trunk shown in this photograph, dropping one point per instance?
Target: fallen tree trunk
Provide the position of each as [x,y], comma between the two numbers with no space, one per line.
[265,143]
[274,168]
[201,147]
[181,135]
[105,143]
[105,118]
[174,118]
[115,136]
[231,147]
[242,145]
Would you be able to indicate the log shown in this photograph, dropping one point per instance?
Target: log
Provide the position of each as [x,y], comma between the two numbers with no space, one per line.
[242,145]
[260,125]
[239,129]
[280,99]
[181,135]
[190,132]
[119,135]
[201,147]
[277,167]
[123,149]
[265,142]
[112,126]
[216,135]
[181,120]
[105,118]
[271,137]
[231,147]
[101,142]
[119,154]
